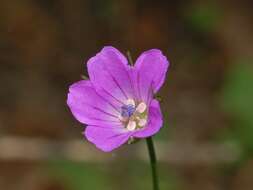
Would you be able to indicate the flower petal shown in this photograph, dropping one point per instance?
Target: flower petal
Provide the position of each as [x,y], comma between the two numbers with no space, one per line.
[90,108]
[155,121]
[110,75]
[106,139]
[149,73]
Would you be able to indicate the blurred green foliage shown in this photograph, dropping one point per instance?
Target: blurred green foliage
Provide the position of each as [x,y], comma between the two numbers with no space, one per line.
[141,176]
[203,16]
[237,101]
[80,176]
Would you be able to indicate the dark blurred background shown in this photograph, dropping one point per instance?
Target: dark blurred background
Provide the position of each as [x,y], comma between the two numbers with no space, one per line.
[207,139]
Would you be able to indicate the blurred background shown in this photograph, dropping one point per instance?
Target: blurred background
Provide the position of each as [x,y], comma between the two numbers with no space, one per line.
[207,138]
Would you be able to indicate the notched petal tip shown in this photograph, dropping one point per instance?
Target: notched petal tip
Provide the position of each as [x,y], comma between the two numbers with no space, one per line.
[90,108]
[79,84]
[109,73]
[107,50]
[152,51]
[150,72]
[156,54]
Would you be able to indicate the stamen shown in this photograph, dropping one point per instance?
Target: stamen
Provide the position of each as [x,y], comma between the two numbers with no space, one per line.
[142,122]
[131,125]
[141,107]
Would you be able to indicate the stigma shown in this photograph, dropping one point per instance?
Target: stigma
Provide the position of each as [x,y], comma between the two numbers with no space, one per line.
[133,115]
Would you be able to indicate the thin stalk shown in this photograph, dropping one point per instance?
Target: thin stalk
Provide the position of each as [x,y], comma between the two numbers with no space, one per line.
[152,156]
[130,60]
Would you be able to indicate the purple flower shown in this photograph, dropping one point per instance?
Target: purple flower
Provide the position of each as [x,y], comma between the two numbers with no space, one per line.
[118,101]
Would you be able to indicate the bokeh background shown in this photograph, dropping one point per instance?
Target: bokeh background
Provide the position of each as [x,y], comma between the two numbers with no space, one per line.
[207,139]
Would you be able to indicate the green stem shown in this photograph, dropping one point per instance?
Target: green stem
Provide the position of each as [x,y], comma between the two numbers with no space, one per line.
[152,156]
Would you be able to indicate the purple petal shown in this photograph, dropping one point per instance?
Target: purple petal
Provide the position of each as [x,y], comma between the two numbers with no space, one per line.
[149,73]
[106,139]
[90,108]
[110,75]
[155,121]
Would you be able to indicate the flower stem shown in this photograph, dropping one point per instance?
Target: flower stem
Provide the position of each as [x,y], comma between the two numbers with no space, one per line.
[152,156]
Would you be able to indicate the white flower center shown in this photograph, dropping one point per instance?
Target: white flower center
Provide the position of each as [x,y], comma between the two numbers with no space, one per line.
[134,115]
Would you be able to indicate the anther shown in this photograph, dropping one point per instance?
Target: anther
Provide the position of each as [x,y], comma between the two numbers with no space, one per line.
[131,125]
[141,108]
[142,122]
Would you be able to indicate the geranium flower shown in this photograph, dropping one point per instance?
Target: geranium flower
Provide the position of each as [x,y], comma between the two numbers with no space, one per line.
[117,102]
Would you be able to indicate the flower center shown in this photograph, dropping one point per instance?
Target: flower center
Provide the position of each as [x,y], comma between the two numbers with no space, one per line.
[134,116]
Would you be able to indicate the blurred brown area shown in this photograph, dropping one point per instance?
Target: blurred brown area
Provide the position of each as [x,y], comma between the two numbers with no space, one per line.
[45,45]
